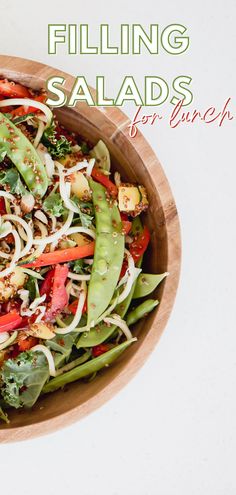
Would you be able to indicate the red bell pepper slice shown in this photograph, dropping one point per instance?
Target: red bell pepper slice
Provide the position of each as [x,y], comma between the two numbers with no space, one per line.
[10,321]
[126,226]
[97,350]
[62,256]
[59,298]
[26,344]
[22,110]
[13,90]
[73,307]
[105,181]
[2,206]
[140,244]
[46,286]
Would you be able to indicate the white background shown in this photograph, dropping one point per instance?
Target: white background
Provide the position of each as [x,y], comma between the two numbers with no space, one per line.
[172,430]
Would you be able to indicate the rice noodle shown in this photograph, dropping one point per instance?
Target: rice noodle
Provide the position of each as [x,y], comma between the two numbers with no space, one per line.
[76,276]
[115,319]
[39,134]
[41,216]
[15,218]
[5,255]
[131,275]
[65,190]
[48,355]
[58,234]
[78,166]
[90,166]
[15,256]
[27,102]
[78,313]
[3,337]
[5,229]
[82,230]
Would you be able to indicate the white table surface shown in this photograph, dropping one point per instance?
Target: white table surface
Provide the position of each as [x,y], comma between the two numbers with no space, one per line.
[172,430]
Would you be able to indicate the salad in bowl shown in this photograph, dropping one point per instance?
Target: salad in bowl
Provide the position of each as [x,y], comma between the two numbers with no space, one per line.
[72,241]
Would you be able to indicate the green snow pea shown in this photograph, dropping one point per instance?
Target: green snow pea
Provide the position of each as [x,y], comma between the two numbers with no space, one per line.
[87,368]
[24,156]
[109,253]
[141,311]
[102,332]
[146,284]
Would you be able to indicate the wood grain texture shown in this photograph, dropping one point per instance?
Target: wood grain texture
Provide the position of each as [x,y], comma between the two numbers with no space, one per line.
[135,160]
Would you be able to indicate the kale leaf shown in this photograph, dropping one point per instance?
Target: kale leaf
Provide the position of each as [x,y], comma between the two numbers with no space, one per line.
[23,378]
[11,178]
[54,204]
[58,148]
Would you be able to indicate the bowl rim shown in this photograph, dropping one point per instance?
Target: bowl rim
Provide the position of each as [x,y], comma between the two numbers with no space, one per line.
[32,70]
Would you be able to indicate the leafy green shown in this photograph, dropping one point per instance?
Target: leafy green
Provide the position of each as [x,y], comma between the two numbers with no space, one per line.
[4,416]
[32,286]
[57,148]
[54,204]
[85,218]
[79,266]
[23,378]
[11,178]
[62,345]
[23,118]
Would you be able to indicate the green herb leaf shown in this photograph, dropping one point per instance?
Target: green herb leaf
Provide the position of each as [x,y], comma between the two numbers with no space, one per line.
[54,204]
[23,378]
[11,178]
[23,118]
[85,219]
[78,266]
[58,148]
[31,287]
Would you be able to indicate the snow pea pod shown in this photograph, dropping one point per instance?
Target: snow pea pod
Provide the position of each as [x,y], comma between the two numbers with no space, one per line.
[87,368]
[102,332]
[24,156]
[109,253]
[147,283]
[140,311]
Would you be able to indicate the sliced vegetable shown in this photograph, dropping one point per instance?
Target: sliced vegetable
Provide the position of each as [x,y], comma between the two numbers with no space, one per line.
[10,321]
[80,186]
[73,307]
[59,295]
[98,350]
[9,286]
[62,256]
[140,244]
[26,344]
[9,341]
[13,90]
[24,110]
[129,197]
[46,286]
[2,206]
[105,181]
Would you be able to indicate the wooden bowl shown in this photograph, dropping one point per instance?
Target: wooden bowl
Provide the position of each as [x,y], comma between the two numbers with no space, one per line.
[136,161]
